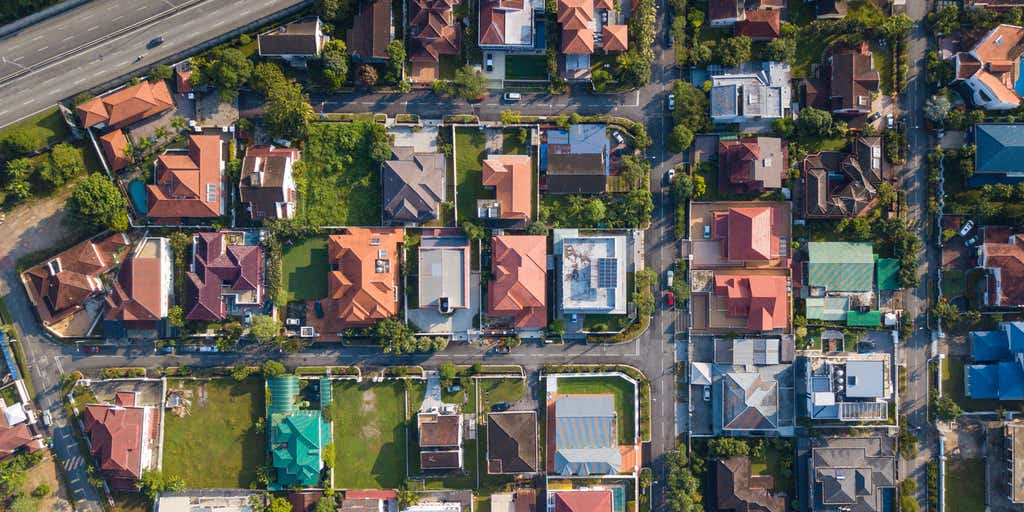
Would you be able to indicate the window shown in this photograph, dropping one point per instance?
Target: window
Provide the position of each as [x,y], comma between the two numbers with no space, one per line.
[211,192]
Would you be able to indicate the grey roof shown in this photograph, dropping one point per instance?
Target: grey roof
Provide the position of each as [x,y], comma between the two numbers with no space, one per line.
[300,37]
[761,93]
[593,272]
[750,402]
[585,406]
[588,138]
[865,379]
[747,352]
[413,185]
[442,271]
[852,471]
[1000,148]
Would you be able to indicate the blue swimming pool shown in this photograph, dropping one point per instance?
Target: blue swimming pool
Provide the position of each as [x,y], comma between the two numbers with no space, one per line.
[137,190]
[1019,86]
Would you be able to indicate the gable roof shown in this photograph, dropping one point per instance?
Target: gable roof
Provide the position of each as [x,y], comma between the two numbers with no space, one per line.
[221,268]
[510,175]
[518,288]
[841,266]
[266,182]
[188,184]
[114,144]
[762,299]
[295,447]
[432,30]
[753,164]
[439,430]
[739,490]
[369,38]
[362,280]
[127,105]
[117,437]
[852,80]
[505,22]
[752,234]
[512,442]
[719,10]
[760,25]
[616,38]
[1005,265]
[586,435]
[301,37]
[583,501]
[839,185]
[138,295]
[413,185]
[14,438]
[750,402]
[1000,148]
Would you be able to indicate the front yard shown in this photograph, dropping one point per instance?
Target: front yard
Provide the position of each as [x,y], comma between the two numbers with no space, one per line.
[304,269]
[216,444]
[953,385]
[965,485]
[526,67]
[469,156]
[369,434]
[620,388]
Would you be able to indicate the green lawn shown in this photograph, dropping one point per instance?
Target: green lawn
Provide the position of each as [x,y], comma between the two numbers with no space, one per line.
[340,180]
[48,127]
[304,267]
[216,445]
[965,485]
[369,435]
[770,464]
[952,283]
[620,388]
[510,144]
[448,64]
[493,391]
[882,58]
[595,322]
[526,67]
[463,397]
[469,155]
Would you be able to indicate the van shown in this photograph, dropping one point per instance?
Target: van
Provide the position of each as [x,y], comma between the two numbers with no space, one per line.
[512,97]
[47,419]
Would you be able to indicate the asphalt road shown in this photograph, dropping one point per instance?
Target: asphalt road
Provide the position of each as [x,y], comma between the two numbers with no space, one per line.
[43,73]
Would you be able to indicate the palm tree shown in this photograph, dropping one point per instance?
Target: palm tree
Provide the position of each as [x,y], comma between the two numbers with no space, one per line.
[178,123]
[160,132]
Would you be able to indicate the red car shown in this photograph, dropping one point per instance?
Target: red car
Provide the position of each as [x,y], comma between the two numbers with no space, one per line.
[670,299]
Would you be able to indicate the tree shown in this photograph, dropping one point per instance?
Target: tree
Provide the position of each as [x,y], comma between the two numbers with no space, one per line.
[407,499]
[21,141]
[335,63]
[229,70]
[945,20]
[886,193]
[683,487]
[600,78]
[592,211]
[537,228]
[447,372]
[509,116]
[288,112]
[907,487]
[325,504]
[264,329]
[266,76]
[97,202]
[945,408]
[273,369]
[469,84]
[394,336]
[160,72]
[278,504]
[732,51]
[937,108]
[680,139]
[473,231]
[41,491]
[396,61]
[813,122]
[726,447]
[782,49]
[175,316]
[64,163]
[947,312]
[691,107]
[153,482]
[241,371]
[367,75]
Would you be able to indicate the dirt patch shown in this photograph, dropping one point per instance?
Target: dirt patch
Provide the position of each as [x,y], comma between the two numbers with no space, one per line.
[966,440]
[46,473]
[369,402]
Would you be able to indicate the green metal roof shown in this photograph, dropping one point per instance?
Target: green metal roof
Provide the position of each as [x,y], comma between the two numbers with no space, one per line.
[325,393]
[865,319]
[295,442]
[827,308]
[282,394]
[840,266]
[888,272]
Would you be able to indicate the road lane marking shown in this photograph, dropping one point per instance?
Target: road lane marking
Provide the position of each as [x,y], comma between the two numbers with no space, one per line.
[40,36]
[94,27]
[43,48]
[117,18]
[142,8]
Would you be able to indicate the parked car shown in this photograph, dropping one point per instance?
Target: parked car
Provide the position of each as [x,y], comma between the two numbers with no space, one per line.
[966,228]
[318,309]
[668,278]
[247,319]
[707,393]
[512,97]
[707,231]
[874,117]
[573,318]
[671,102]
[669,175]
[500,406]
[156,41]
[167,349]
[889,121]
[47,419]
[618,137]
[489,62]
[454,388]
[502,349]
[91,349]
[970,241]
[670,299]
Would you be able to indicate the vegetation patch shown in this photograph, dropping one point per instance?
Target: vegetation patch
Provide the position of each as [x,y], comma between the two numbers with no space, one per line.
[469,156]
[965,485]
[304,266]
[526,67]
[369,434]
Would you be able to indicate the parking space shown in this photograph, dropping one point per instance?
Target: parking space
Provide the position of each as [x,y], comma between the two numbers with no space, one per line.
[459,322]
[701,419]
[423,139]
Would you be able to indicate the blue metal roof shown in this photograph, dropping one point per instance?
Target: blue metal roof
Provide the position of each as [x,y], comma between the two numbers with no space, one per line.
[12,367]
[1000,148]
[982,381]
[989,346]
[1011,380]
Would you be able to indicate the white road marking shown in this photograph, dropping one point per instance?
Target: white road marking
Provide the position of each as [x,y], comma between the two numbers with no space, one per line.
[94,27]
[117,18]
[142,8]
[40,36]
[43,48]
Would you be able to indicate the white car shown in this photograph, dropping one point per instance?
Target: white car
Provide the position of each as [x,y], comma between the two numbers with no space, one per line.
[669,175]
[889,121]
[970,242]
[671,102]
[668,278]
[512,97]
[966,228]
[707,393]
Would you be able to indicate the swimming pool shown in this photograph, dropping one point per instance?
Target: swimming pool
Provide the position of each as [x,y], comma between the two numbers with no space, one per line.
[137,191]
[1019,85]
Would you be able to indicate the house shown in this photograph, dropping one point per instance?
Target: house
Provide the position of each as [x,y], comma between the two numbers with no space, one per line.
[586,436]
[440,440]
[296,43]
[725,13]
[369,500]
[183,77]
[999,154]
[522,500]
[139,297]
[266,186]
[991,69]
[1013,440]
[226,276]
[1004,271]
[740,234]
[593,272]
[435,506]
[763,300]
[852,473]
[583,32]
[433,32]
[760,25]
[512,179]
[60,286]
[362,282]
[512,442]
[751,382]
[114,145]
[847,387]
[507,25]
[413,186]
[830,9]
[16,435]
[997,371]
[840,266]
[738,490]
[518,288]
[752,165]
[189,183]
[750,402]
[749,94]
[577,160]
[296,436]
[126,106]
[443,272]
[584,501]
[368,40]
[224,500]
[840,185]
[852,81]
[123,438]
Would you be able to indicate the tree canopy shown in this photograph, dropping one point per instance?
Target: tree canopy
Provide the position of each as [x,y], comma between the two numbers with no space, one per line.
[97,202]
[335,64]
[288,112]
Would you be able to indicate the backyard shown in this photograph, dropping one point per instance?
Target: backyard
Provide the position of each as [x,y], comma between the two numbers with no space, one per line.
[620,388]
[526,67]
[304,267]
[952,283]
[45,127]
[965,485]
[216,444]
[369,433]
[493,391]
[340,180]
[469,155]
[776,463]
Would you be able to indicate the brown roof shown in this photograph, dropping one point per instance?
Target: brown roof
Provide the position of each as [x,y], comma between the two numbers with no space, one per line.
[59,294]
[492,19]
[761,299]
[439,430]
[127,105]
[751,234]
[1004,42]
[740,491]
[183,78]
[616,38]
[752,165]
[362,280]
[575,14]
[14,438]
[369,38]
[413,185]
[117,438]
[137,295]
[838,185]
[525,500]
[510,175]
[518,289]
[445,459]
[302,37]
[114,144]
[512,442]
[725,9]
[432,30]
[185,180]
[1008,258]
[760,25]
[266,181]
[583,501]
[304,501]
[578,41]
[852,80]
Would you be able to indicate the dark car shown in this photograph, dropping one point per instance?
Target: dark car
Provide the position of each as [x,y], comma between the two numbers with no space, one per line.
[500,406]
[318,309]
[91,349]
[156,41]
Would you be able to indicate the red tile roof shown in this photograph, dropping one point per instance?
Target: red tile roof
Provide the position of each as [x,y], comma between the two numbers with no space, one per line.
[362,283]
[220,269]
[760,25]
[137,296]
[370,494]
[117,438]
[762,299]
[616,38]
[14,438]
[510,177]
[752,234]
[519,266]
[183,79]
[578,41]
[583,501]
[184,182]
[1008,260]
[575,14]
[126,106]
[114,144]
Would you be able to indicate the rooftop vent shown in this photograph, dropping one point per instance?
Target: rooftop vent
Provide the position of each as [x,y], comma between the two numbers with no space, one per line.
[375,241]
[54,266]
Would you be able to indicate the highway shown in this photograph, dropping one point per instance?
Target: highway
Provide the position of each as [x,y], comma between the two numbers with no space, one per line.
[104,39]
